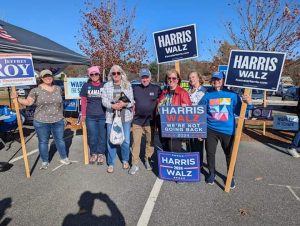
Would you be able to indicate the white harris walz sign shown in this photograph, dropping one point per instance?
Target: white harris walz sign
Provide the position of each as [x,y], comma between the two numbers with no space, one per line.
[176,44]
[16,70]
[255,69]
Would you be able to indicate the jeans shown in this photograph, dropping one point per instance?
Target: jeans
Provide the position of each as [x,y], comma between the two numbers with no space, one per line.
[96,134]
[296,141]
[43,131]
[125,146]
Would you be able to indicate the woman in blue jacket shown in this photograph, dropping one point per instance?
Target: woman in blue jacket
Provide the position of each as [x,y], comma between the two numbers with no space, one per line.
[222,106]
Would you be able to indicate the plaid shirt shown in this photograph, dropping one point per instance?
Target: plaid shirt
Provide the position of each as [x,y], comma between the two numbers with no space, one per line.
[107,98]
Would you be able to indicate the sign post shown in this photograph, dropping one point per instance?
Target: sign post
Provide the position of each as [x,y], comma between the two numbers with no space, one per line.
[251,70]
[16,70]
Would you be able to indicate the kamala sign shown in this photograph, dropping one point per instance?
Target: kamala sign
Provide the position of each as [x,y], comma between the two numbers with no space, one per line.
[16,70]
[176,44]
[255,69]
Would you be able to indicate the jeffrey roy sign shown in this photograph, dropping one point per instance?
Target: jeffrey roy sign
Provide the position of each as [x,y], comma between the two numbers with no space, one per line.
[16,70]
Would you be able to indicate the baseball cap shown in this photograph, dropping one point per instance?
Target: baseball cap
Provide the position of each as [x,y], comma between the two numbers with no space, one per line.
[145,72]
[45,72]
[218,75]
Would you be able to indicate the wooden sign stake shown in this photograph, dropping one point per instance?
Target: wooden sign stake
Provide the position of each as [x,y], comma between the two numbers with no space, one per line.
[24,152]
[85,144]
[236,143]
[265,105]
[177,66]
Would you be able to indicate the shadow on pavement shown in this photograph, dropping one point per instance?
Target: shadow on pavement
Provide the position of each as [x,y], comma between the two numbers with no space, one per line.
[68,137]
[4,205]
[85,214]
[268,141]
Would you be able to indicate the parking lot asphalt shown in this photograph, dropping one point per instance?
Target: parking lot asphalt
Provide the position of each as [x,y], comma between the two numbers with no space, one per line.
[267,192]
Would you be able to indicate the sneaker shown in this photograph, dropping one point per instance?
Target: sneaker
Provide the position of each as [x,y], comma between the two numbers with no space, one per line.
[100,159]
[293,152]
[148,165]
[211,179]
[133,169]
[65,161]
[44,165]
[232,185]
[125,165]
[93,158]
[110,169]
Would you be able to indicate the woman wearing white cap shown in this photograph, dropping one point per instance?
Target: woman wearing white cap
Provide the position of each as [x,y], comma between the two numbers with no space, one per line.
[48,116]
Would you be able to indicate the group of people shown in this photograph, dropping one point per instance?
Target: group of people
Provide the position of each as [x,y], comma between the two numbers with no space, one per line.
[139,113]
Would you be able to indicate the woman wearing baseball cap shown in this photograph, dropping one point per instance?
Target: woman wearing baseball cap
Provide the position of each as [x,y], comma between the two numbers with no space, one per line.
[48,116]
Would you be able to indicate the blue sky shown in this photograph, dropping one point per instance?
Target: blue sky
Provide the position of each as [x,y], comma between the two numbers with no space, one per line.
[59,20]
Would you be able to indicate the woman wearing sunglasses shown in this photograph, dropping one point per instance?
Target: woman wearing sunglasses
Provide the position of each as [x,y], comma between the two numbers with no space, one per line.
[173,95]
[116,86]
[93,113]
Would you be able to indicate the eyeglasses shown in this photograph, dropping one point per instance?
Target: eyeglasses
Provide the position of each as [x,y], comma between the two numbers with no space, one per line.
[116,73]
[172,78]
[96,74]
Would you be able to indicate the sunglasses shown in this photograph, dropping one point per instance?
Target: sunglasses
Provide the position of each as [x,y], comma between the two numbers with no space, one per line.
[96,74]
[172,78]
[116,73]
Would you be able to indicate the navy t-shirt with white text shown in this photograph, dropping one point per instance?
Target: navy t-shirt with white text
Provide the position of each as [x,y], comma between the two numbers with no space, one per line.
[94,100]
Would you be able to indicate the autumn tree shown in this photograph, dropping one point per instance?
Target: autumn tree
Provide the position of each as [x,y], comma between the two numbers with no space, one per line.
[108,37]
[267,25]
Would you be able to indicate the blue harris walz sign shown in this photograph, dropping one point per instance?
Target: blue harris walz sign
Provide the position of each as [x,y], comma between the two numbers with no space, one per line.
[255,69]
[176,44]
[179,166]
[183,122]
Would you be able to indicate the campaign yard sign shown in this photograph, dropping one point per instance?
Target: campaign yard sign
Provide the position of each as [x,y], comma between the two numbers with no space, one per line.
[70,105]
[176,44]
[255,69]
[183,122]
[223,68]
[16,70]
[286,122]
[261,113]
[176,166]
[73,87]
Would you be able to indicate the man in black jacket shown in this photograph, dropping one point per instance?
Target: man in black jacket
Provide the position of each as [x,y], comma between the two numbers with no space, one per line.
[145,96]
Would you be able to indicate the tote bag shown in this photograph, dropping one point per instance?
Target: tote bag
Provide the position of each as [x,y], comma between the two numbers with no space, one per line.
[117,133]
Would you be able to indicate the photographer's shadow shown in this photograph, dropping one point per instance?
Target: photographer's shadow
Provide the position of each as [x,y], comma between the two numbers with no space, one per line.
[85,214]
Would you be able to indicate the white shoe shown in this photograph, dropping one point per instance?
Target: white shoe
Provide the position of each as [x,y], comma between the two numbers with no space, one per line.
[293,152]
[65,161]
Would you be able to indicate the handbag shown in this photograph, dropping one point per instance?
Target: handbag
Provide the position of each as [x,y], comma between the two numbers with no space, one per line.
[117,136]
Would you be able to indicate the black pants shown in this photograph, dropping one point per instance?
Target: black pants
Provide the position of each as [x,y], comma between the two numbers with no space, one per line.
[211,146]
[196,145]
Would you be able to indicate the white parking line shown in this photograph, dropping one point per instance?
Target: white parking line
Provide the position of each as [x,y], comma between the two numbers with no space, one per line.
[146,214]
[290,189]
[20,157]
